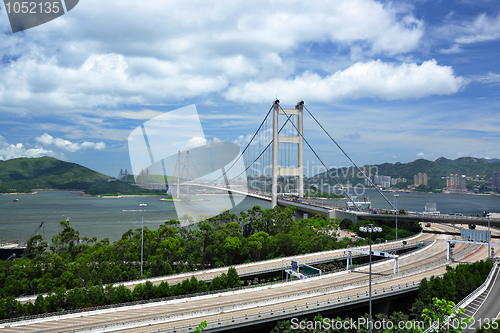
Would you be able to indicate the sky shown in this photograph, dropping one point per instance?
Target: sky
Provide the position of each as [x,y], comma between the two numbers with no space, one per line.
[390,81]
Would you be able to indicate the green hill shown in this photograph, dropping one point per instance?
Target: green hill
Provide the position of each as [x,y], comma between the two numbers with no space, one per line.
[24,174]
[119,187]
[478,168]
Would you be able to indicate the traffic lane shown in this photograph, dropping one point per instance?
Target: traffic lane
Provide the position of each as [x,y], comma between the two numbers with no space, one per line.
[181,306]
[490,308]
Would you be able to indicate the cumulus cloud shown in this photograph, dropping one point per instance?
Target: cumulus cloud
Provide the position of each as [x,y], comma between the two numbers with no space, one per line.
[243,140]
[10,151]
[374,79]
[48,140]
[203,48]
[196,142]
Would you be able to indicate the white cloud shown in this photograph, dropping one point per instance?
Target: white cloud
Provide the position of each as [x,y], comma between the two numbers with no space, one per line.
[374,79]
[10,151]
[454,49]
[488,78]
[203,48]
[196,142]
[243,140]
[482,28]
[48,140]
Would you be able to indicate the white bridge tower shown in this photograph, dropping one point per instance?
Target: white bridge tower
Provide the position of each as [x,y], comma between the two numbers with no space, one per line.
[277,139]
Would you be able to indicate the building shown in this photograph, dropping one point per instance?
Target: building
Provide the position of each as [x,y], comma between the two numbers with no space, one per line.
[420,179]
[455,182]
[394,181]
[384,181]
[495,180]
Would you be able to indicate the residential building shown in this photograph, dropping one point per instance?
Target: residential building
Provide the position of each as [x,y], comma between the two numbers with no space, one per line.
[384,181]
[495,180]
[394,181]
[456,182]
[420,179]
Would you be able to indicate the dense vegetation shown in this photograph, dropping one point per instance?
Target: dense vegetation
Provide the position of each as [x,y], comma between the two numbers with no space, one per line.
[433,294]
[435,170]
[72,261]
[454,285]
[25,174]
[118,187]
[20,174]
[77,298]
[405,229]
[73,270]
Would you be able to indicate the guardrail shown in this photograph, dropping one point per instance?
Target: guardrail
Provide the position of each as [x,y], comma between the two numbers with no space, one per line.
[164,299]
[225,268]
[468,298]
[231,322]
[401,274]
[273,314]
[295,295]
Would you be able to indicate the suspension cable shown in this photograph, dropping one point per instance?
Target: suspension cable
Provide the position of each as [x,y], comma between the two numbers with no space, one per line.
[194,165]
[357,167]
[248,145]
[261,152]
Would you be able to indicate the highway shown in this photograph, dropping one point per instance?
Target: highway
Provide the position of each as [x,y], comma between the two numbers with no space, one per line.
[252,269]
[489,310]
[179,312]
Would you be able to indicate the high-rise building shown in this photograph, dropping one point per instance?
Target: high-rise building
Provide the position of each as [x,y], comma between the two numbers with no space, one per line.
[420,179]
[495,180]
[394,181]
[454,181]
[384,181]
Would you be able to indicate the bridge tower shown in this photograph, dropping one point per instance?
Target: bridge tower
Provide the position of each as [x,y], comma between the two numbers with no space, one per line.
[183,162]
[287,171]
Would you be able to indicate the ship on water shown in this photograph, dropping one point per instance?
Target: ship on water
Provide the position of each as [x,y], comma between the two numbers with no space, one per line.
[11,249]
[361,202]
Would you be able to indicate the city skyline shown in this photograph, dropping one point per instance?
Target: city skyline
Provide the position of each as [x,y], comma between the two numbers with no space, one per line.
[391,82]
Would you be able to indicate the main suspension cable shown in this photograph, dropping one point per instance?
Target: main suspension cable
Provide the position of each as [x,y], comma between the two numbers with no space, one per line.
[357,167]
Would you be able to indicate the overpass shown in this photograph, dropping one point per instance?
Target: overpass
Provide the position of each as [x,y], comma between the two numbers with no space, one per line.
[248,306]
[328,210]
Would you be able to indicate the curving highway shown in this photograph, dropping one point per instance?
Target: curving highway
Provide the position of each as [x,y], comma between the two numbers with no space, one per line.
[426,262]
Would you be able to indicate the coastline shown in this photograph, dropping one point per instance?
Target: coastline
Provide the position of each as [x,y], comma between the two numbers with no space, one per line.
[18,193]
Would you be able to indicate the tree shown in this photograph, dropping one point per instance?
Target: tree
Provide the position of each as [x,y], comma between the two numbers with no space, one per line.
[444,317]
[345,224]
[233,279]
[35,247]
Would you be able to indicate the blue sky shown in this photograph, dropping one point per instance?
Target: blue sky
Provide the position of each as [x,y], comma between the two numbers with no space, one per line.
[391,81]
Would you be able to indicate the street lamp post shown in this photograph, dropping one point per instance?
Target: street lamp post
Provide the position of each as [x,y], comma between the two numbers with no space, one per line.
[396,206]
[489,238]
[142,238]
[370,229]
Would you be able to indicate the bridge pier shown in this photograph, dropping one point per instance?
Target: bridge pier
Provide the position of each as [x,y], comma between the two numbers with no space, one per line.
[338,214]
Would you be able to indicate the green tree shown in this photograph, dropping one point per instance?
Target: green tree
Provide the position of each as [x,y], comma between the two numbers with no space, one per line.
[443,310]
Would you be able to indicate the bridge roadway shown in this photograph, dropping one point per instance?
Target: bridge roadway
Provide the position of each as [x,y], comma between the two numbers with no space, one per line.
[194,310]
[328,209]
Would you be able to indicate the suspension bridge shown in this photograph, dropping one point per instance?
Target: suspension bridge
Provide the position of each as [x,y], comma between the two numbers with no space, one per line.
[270,168]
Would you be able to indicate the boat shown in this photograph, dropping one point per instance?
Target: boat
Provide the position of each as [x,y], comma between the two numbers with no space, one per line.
[16,200]
[361,202]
